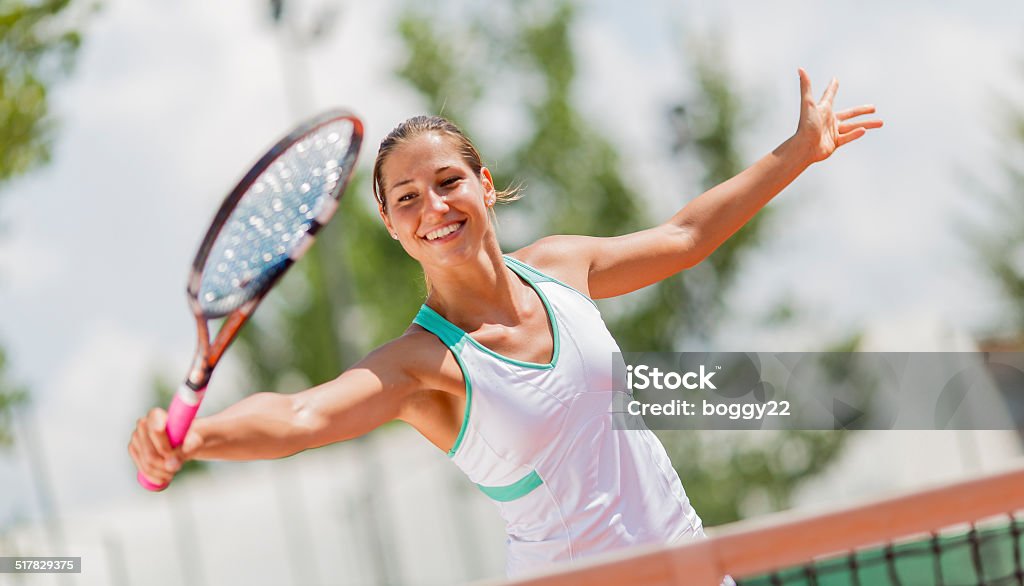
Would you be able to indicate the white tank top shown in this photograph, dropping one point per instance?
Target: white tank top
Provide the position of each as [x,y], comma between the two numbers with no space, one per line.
[538,440]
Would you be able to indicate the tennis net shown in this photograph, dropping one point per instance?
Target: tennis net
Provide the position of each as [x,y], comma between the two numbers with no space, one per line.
[962,534]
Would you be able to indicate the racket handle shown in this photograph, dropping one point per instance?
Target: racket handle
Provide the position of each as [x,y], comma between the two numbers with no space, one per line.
[180,415]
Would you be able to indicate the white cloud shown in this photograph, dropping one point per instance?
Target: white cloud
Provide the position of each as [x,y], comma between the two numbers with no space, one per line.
[29,264]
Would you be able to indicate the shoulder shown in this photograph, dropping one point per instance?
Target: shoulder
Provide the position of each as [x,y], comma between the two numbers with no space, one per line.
[564,257]
[422,359]
[429,367]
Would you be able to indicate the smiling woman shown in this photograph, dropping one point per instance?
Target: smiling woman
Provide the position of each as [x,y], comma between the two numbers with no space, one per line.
[508,366]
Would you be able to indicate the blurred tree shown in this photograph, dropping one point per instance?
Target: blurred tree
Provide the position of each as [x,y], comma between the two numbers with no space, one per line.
[338,302]
[38,44]
[345,295]
[37,48]
[10,396]
[998,243]
[572,170]
[709,127]
[728,474]
[354,289]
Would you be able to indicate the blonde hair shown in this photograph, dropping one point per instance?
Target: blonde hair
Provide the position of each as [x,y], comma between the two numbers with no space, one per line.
[418,125]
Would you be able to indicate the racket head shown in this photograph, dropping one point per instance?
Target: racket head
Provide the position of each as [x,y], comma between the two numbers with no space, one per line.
[270,218]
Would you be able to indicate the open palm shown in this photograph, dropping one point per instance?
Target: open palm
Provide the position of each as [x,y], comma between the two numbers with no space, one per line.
[824,129]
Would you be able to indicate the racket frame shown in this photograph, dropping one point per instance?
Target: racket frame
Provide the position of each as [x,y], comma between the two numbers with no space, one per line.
[208,353]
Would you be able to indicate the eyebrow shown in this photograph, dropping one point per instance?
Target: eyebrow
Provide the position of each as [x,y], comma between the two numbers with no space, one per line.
[404,181]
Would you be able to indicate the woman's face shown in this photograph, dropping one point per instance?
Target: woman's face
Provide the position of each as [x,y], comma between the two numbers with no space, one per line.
[436,205]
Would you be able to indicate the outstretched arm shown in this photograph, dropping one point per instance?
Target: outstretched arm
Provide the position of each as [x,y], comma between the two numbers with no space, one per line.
[269,425]
[619,265]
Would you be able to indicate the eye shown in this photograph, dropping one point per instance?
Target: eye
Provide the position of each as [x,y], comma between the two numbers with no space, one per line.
[450,181]
[406,197]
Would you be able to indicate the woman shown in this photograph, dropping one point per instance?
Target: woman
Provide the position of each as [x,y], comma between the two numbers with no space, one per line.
[507,367]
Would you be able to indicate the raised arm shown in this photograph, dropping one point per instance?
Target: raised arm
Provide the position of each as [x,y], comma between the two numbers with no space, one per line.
[272,425]
[607,267]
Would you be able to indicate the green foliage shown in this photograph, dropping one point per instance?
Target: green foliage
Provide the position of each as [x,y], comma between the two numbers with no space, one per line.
[570,168]
[11,396]
[355,289]
[708,125]
[38,44]
[998,243]
[37,47]
[729,475]
[732,475]
[390,283]
[432,69]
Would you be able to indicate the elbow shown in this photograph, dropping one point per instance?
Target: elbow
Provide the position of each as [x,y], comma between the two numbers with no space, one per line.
[686,251]
[306,424]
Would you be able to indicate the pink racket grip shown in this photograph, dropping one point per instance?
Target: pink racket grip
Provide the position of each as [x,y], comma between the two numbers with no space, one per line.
[180,415]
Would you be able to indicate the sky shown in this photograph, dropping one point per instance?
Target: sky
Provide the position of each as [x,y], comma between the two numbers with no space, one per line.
[171,102]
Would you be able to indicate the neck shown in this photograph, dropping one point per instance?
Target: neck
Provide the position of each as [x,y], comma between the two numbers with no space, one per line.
[477,292]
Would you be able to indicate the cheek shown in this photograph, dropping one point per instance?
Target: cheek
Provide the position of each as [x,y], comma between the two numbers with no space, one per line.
[402,218]
[469,195]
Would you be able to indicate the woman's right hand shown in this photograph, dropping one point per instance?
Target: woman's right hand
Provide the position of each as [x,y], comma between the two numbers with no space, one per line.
[152,452]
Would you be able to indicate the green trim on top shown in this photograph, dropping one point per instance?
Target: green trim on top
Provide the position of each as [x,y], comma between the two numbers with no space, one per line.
[469,402]
[433,322]
[542,278]
[455,339]
[519,489]
[451,334]
[532,277]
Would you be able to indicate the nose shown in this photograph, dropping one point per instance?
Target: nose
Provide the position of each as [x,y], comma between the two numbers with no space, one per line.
[436,202]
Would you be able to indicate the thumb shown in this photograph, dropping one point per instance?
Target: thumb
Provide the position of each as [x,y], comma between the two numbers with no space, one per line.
[193,442]
[805,85]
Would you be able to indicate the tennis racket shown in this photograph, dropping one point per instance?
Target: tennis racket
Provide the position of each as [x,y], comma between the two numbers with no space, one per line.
[266,224]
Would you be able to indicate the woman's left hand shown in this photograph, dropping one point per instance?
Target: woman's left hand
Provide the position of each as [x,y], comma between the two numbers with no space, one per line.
[822,129]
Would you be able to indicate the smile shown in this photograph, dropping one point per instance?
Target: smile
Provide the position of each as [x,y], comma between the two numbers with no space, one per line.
[444,231]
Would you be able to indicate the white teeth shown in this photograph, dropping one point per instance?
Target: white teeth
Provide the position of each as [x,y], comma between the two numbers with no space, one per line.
[443,231]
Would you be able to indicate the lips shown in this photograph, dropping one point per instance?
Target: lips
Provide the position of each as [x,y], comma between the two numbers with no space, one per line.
[444,231]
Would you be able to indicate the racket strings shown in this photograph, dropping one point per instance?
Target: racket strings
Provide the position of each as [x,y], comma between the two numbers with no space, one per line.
[273,217]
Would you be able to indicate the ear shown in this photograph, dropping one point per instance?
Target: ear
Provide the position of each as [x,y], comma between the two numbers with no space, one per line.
[387,221]
[489,194]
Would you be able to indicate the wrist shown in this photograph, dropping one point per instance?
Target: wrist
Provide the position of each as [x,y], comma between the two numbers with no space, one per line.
[800,149]
[199,441]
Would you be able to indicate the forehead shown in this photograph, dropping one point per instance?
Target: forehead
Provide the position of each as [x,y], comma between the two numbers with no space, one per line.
[422,154]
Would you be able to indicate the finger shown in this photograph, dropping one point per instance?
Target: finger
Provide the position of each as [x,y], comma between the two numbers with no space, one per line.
[149,441]
[193,441]
[866,124]
[805,86]
[854,112]
[156,423]
[850,136]
[143,444]
[147,467]
[142,465]
[830,91]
